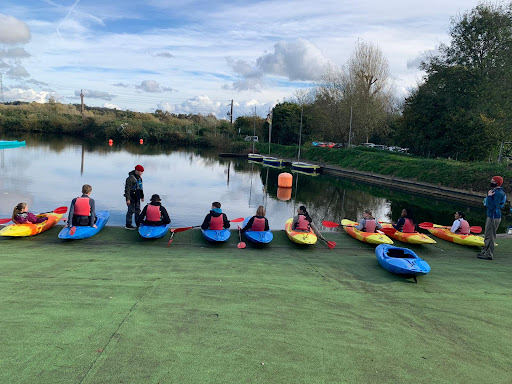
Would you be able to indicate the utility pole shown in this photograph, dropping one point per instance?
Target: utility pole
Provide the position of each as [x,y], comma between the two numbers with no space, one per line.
[350,129]
[254,129]
[82,109]
[231,112]
[300,132]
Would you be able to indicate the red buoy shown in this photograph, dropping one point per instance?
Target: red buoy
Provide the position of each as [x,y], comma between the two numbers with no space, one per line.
[141,141]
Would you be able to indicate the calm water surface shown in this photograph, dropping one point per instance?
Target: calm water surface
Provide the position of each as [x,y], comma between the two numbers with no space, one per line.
[49,173]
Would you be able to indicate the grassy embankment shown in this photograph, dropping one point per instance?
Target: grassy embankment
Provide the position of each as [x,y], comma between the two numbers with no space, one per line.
[451,173]
[115,308]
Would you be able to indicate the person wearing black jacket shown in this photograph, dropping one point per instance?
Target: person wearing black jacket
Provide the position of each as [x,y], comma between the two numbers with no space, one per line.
[215,220]
[154,213]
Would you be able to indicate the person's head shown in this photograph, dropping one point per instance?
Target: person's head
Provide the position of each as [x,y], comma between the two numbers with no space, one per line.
[407,212]
[303,211]
[216,204]
[496,181]
[86,189]
[260,211]
[155,198]
[367,214]
[20,208]
[459,215]
[139,169]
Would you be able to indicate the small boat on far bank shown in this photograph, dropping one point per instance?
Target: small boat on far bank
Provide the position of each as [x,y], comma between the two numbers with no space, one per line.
[255,157]
[305,167]
[11,144]
[273,162]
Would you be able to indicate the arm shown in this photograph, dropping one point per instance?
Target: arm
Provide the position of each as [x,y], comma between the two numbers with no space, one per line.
[71,212]
[455,226]
[267,227]
[248,225]
[165,216]
[294,222]
[399,224]
[31,218]
[377,225]
[360,226]
[206,222]
[92,218]
[142,215]
[227,224]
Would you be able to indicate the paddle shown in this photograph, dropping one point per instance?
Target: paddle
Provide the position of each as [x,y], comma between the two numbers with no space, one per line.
[241,244]
[330,224]
[388,230]
[330,244]
[59,210]
[429,225]
[173,231]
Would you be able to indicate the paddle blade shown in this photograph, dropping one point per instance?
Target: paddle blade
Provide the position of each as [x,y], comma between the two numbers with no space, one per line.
[241,245]
[60,210]
[183,229]
[72,231]
[170,240]
[330,224]
[475,229]
[239,220]
[3,221]
[426,225]
[388,231]
[331,244]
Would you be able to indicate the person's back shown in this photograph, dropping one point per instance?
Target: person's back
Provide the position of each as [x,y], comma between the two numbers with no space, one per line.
[215,220]
[154,213]
[368,223]
[258,222]
[82,211]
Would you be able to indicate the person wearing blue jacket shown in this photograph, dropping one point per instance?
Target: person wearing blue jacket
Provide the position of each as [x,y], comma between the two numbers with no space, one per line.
[494,201]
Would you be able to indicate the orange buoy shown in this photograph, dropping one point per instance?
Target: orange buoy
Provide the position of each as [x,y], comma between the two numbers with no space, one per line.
[141,141]
[284,193]
[285,180]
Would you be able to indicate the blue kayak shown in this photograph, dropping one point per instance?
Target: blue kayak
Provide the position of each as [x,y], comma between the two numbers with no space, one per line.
[401,261]
[11,144]
[153,232]
[85,232]
[216,236]
[260,237]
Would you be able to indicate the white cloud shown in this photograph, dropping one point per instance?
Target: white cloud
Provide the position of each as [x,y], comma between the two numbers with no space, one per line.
[14,53]
[166,107]
[121,85]
[25,95]
[111,106]
[152,86]
[96,94]
[13,31]
[167,55]
[17,72]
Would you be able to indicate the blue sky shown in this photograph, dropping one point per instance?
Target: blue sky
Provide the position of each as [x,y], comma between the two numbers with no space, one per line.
[195,56]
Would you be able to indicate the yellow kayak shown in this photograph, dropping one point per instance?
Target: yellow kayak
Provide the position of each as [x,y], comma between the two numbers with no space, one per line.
[298,236]
[444,233]
[22,230]
[365,237]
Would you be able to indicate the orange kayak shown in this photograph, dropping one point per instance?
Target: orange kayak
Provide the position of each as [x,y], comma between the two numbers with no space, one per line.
[444,233]
[411,238]
[365,237]
[22,230]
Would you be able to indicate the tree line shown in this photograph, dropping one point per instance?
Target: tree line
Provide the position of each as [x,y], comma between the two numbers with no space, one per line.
[461,109]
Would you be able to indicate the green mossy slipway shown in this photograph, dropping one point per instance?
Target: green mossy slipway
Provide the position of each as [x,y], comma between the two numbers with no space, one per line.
[118,308]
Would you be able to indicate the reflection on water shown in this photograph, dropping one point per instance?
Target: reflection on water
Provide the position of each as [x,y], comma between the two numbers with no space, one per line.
[49,173]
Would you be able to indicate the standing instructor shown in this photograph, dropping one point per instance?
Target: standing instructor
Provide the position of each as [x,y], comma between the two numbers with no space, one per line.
[494,201]
[134,194]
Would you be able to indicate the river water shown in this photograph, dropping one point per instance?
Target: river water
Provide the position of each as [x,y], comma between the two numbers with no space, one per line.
[48,173]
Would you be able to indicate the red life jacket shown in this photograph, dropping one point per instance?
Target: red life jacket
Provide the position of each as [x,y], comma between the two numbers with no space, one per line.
[302,224]
[464,228]
[408,227]
[153,213]
[82,207]
[217,223]
[369,225]
[258,224]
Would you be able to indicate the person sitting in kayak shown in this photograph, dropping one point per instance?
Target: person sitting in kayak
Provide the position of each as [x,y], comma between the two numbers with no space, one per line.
[21,215]
[82,211]
[460,226]
[154,213]
[215,220]
[258,222]
[368,223]
[406,223]
[303,223]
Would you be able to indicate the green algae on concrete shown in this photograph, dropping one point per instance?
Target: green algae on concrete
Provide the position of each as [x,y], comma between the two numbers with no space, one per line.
[121,309]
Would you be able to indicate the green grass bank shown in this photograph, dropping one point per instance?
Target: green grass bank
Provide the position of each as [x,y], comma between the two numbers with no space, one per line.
[451,173]
[118,309]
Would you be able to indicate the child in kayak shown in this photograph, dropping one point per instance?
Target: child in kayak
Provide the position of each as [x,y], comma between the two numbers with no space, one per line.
[303,223]
[82,211]
[154,213]
[258,222]
[368,223]
[215,220]
[406,222]
[460,226]
[21,215]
